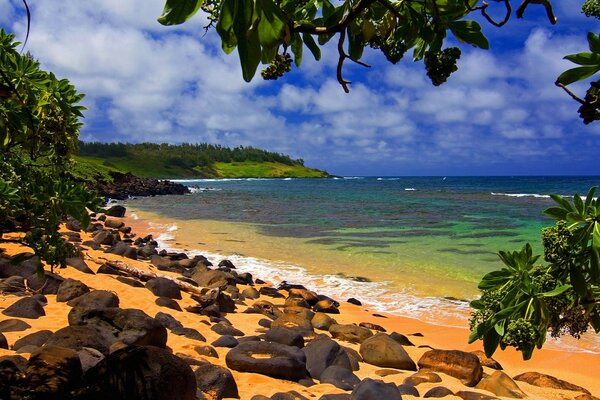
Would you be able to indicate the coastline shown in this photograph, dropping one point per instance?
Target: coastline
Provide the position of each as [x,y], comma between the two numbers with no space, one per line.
[577,368]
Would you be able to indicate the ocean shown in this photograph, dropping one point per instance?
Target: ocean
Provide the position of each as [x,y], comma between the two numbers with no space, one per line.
[412,246]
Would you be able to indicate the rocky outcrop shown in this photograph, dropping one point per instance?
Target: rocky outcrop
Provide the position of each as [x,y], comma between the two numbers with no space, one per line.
[126,185]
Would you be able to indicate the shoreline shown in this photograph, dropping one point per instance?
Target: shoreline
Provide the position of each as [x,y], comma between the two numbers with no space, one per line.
[577,368]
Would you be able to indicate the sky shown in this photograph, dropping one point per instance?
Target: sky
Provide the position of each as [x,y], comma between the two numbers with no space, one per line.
[499,114]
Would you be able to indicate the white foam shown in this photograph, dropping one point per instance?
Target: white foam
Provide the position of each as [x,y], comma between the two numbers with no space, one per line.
[196,189]
[410,189]
[353,177]
[541,196]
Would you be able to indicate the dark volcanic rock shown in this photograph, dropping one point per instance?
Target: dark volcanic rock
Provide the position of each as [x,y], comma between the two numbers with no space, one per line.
[116,211]
[339,377]
[164,287]
[125,185]
[36,339]
[167,302]
[322,353]
[79,264]
[216,381]
[141,372]
[207,351]
[403,340]
[370,389]
[130,281]
[268,358]
[47,284]
[487,361]
[408,390]
[27,307]
[223,328]
[71,289]
[13,284]
[95,299]
[3,341]
[78,337]
[13,325]
[383,351]
[189,333]
[350,333]
[438,391]
[52,372]
[168,321]
[285,336]
[226,341]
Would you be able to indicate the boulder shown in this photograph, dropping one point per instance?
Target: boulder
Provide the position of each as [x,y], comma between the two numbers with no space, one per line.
[3,341]
[354,357]
[468,395]
[291,395]
[53,372]
[548,381]
[103,237]
[339,377]
[458,364]
[271,292]
[487,361]
[13,325]
[216,381]
[117,211]
[71,289]
[322,353]
[226,341]
[354,301]
[27,307]
[113,223]
[207,351]
[89,358]
[141,372]
[168,303]
[337,396]
[167,320]
[130,326]
[12,284]
[223,328]
[46,284]
[422,377]
[79,264]
[403,340]
[308,295]
[24,268]
[372,326]
[293,321]
[95,299]
[189,333]
[296,302]
[214,278]
[164,287]
[250,293]
[370,389]
[285,336]
[226,264]
[268,358]
[322,321]
[383,351]
[437,392]
[38,339]
[408,390]
[327,306]
[78,337]
[501,385]
[350,333]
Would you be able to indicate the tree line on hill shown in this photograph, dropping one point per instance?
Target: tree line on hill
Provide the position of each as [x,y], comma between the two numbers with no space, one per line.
[184,155]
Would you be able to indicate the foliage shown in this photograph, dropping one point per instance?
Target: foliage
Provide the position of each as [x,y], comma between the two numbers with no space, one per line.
[39,125]
[524,300]
[181,161]
[250,169]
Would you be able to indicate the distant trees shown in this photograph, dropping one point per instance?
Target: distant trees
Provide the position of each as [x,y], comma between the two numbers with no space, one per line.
[184,155]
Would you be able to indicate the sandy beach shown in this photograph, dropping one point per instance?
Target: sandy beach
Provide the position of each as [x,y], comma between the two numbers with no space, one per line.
[579,368]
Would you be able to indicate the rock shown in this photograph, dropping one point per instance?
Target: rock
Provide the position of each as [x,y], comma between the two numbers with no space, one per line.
[3,341]
[501,385]
[79,264]
[422,377]
[322,321]
[73,225]
[214,278]
[25,268]
[548,381]
[285,336]
[40,298]
[38,339]
[408,390]
[95,299]
[322,353]
[370,389]
[19,361]
[438,391]
[308,295]
[71,289]
[13,325]
[130,326]
[113,223]
[350,333]
[487,361]
[354,357]
[245,278]
[354,301]
[164,287]
[225,329]
[108,270]
[372,326]
[271,292]
[293,321]
[13,284]
[53,372]
[339,396]
[265,323]
[458,364]
[216,381]
[130,281]
[168,321]
[89,358]
[296,302]
[226,341]
[302,312]
[403,340]
[291,395]
[123,249]
[103,237]
[117,211]
[382,351]
[189,333]
[226,264]
[207,351]
[327,306]
[168,303]
[585,397]
[250,293]
[466,395]
[92,244]
[78,337]
[47,284]
[142,372]
[268,358]
[339,377]
[27,307]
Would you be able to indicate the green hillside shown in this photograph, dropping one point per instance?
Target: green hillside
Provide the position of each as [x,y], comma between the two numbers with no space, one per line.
[98,160]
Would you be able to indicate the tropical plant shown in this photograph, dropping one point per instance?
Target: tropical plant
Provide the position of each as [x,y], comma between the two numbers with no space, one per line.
[39,127]
[524,300]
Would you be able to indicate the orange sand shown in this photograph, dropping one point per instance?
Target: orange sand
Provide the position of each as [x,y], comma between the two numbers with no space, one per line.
[579,368]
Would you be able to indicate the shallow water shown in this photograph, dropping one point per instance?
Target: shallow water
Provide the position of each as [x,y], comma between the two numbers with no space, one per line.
[422,243]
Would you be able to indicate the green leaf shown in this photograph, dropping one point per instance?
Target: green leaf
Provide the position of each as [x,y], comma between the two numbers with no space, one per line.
[19,258]
[491,340]
[247,38]
[271,26]
[556,213]
[590,197]
[224,26]
[355,45]
[312,45]
[177,12]
[564,203]
[469,32]
[577,74]
[297,48]
[585,58]
[594,41]
[578,202]
[595,321]
[557,291]
[578,281]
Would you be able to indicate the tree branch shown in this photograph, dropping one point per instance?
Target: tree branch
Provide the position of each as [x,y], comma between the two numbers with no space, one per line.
[570,93]
[346,20]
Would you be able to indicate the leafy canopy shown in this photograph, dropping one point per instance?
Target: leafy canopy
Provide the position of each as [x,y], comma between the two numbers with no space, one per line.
[39,130]
[524,300]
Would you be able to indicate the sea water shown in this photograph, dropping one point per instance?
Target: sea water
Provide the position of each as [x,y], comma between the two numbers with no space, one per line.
[413,246]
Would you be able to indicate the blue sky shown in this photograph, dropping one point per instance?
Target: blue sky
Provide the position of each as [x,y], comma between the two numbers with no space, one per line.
[500,114]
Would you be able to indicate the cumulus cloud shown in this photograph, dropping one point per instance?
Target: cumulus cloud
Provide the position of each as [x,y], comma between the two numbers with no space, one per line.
[146,82]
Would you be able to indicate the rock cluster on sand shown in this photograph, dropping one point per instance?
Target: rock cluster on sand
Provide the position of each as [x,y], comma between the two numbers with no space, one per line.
[205,332]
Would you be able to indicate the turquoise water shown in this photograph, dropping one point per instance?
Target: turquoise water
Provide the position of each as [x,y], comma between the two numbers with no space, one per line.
[419,240]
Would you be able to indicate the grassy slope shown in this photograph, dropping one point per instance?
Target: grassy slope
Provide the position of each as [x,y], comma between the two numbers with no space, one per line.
[94,167]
